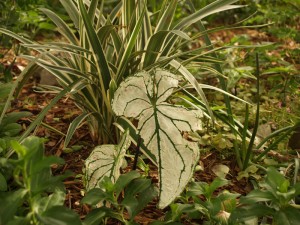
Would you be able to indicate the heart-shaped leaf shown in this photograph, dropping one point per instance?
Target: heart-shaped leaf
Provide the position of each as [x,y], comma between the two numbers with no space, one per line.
[105,160]
[161,126]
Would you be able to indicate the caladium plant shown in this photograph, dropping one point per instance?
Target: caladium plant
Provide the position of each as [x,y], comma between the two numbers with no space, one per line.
[161,126]
[106,160]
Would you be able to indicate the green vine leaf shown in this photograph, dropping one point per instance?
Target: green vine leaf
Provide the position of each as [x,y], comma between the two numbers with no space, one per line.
[105,160]
[161,126]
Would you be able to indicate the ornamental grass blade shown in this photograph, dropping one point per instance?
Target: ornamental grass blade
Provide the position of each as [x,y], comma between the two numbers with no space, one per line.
[167,16]
[161,125]
[72,11]
[63,28]
[215,7]
[73,127]
[156,44]
[97,48]
[106,161]
[129,47]
[192,80]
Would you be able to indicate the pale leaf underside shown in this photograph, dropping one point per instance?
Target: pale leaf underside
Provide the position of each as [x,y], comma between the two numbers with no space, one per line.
[161,126]
[105,160]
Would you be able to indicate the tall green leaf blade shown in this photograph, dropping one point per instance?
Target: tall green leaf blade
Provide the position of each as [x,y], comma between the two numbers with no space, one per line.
[166,19]
[192,80]
[73,126]
[156,44]
[97,48]
[72,10]
[61,25]
[92,9]
[131,43]
[161,125]
[216,6]
[106,160]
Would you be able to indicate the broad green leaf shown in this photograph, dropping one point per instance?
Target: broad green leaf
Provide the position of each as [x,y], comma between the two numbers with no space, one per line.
[137,195]
[5,89]
[55,199]
[96,216]
[287,216]
[124,180]
[161,124]
[197,188]
[13,117]
[19,221]
[217,182]
[10,202]
[20,150]
[246,213]
[178,209]
[258,196]
[106,160]
[276,180]
[12,129]
[46,163]
[59,215]
[202,188]
[94,196]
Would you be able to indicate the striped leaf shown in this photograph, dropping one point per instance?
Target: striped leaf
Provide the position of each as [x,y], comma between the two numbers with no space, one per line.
[161,125]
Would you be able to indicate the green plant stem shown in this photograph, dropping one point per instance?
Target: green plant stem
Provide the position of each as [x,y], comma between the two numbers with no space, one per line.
[250,146]
[244,134]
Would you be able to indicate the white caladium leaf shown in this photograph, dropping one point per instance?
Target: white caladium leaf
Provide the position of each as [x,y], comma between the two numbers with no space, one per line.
[162,127]
[105,160]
